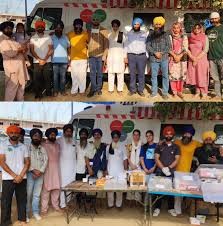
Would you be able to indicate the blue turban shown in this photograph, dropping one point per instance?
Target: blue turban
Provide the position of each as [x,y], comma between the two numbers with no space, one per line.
[97,131]
[189,129]
[137,20]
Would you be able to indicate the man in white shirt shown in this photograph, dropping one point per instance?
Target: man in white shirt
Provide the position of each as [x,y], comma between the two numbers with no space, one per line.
[117,164]
[67,159]
[41,47]
[15,161]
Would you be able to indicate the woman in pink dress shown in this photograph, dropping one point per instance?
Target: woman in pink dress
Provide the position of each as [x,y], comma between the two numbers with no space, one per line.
[198,66]
[177,61]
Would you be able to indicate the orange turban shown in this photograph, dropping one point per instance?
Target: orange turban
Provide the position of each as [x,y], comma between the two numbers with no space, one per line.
[40,23]
[13,129]
[168,129]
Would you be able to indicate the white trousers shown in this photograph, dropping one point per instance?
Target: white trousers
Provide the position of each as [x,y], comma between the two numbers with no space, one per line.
[177,205]
[111,81]
[111,198]
[78,75]
[134,196]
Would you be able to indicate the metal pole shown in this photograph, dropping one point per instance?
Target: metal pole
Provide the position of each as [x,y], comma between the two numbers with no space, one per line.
[26,12]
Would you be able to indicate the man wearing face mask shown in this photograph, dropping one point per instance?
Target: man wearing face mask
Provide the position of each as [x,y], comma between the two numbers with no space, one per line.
[41,47]
[39,160]
[187,148]
[215,54]
[67,159]
[61,46]
[159,46]
[51,181]
[15,162]
[13,54]
[135,48]
[167,156]
[82,150]
[97,51]
[208,153]
[78,57]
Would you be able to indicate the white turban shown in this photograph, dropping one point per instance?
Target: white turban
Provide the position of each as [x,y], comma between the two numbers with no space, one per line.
[214,15]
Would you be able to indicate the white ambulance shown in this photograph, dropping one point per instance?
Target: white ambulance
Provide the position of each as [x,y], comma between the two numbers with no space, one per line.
[126,118]
[67,10]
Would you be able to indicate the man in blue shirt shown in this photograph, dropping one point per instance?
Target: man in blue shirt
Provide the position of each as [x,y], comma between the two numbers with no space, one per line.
[147,159]
[135,47]
[60,59]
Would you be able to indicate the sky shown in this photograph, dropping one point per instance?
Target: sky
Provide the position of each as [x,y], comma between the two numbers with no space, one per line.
[16,7]
[59,112]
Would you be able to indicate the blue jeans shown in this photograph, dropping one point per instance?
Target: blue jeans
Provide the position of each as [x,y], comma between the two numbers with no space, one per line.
[137,63]
[96,74]
[155,66]
[59,77]
[34,188]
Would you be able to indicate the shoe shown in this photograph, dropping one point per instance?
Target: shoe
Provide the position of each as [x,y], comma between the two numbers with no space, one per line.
[172,212]
[180,95]
[119,208]
[131,93]
[73,94]
[37,217]
[91,94]
[197,95]
[63,93]
[27,220]
[111,92]
[153,95]
[141,94]
[99,93]
[120,93]
[165,97]
[156,212]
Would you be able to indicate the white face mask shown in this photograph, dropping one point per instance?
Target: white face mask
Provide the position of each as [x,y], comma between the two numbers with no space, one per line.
[95,31]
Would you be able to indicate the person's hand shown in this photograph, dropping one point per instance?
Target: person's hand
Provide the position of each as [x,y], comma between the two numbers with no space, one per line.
[147,171]
[212,159]
[105,63]
[21,49]
[42,62]
[126,60]
[91,172]
[177,58]
[28,63]
[195,62]
[158,55]
[37,173]
[18,179]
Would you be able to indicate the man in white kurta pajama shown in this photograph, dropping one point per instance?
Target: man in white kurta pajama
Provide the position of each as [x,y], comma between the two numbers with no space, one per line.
[67,160]
[117,164]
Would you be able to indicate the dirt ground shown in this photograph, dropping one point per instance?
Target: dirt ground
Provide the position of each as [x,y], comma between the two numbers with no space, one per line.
[124,97]
[113,217]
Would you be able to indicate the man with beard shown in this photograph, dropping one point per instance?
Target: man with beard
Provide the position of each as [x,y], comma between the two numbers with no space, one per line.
[22,135]
[78,57]
[135,47]
[117,164]
[61,46]
[187,148]
[96,158]
[51,180]
[167,156]
[67,159]
[39,160]
[82,149]
[208,153]
[15,161]
[41,47]
[97,51]
[16,73]
[215,54]
[159,46]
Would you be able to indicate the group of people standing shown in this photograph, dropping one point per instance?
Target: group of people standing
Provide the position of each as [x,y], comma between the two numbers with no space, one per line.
[37,172]
[181,59]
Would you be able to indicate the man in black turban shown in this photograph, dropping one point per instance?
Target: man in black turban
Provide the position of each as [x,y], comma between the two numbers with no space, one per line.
[51,134]
[7,28]
[22,135]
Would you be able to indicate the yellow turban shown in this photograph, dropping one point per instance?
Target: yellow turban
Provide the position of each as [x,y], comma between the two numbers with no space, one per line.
[209,134]
[159,20]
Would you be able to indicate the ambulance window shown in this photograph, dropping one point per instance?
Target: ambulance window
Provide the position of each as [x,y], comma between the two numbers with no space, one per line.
[147,18]
[192,18]
[177,127]
[38,15]
[85,123]
[218,129]
[51,16]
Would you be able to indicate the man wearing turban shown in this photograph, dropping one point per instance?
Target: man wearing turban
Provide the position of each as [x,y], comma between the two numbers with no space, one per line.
[14,161]
[67,159]
[41,47]
[97,51]
[187,148]
[208,153]
[13,54]
[167,156]
[135,47]
[39,160]
[51,180]
[117,164]
[159,46]
[78,57]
